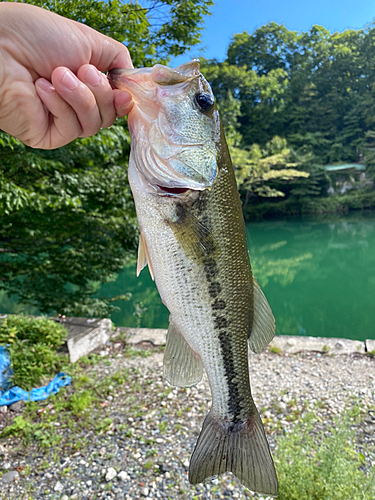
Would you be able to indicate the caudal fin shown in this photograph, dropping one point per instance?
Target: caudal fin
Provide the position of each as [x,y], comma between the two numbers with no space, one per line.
[241,449]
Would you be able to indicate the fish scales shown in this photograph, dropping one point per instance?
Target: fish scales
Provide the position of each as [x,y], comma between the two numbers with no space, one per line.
[193,238]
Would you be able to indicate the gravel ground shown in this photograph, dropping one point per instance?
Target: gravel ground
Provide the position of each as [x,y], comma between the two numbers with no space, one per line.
[142,450]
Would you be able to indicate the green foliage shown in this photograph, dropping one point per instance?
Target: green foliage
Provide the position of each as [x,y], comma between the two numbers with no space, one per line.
[67,218]
[274,168]
[74,226]
[313,88]
[32,344]
[322,466]
[153,32]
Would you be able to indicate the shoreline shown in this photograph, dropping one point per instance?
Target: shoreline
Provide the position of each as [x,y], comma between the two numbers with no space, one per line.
[292,344]
[135,442]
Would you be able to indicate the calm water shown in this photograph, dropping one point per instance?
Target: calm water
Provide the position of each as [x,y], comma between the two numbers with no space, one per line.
[318,275]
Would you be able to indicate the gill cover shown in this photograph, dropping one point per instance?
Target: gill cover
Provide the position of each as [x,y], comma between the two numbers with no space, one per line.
[174,128]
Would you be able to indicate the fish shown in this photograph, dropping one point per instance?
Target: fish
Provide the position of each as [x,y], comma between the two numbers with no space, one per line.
[192,237]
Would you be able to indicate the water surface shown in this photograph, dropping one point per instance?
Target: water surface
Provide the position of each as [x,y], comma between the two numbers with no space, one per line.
[318,276]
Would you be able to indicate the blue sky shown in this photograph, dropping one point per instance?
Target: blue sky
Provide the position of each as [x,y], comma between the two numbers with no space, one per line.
[235,16]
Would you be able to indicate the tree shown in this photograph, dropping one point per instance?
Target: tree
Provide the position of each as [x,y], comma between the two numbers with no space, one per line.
[263,172]
[67,219]
[313,88]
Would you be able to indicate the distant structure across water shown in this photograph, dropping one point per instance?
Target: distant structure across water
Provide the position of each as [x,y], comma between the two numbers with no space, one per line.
[346,176]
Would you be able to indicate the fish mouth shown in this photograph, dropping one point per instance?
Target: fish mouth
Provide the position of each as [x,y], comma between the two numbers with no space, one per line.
[125,79]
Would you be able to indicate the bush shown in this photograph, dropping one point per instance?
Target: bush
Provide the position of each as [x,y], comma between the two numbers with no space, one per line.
[33,344]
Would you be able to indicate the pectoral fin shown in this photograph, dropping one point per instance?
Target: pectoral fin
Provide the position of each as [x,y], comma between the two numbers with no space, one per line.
[263,330]
[143,256]
[194,237]
[182,366]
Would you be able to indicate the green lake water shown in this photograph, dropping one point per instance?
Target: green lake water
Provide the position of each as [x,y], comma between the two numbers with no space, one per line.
[318,276]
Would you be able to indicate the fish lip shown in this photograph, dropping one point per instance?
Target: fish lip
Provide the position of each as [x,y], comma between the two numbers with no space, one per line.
[127,71]
[183,73]
[124,73]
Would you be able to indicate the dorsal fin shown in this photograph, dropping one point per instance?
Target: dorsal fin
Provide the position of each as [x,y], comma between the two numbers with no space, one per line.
[143,256]
[263,330]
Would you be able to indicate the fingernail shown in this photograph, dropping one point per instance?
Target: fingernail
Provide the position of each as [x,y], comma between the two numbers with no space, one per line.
[45,85]
[93,77]
[69,80]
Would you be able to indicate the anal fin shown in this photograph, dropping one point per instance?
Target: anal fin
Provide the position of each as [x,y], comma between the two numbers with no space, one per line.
[263,329]
[143,256]
[182,366]
[240,448]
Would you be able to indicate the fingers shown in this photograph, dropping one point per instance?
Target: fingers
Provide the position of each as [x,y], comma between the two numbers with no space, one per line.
[61,123]
[91,97]
[82,98]
[123,102]
[102,92]
[79,106]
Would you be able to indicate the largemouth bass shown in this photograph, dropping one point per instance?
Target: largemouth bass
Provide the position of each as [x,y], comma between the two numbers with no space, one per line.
[192,236]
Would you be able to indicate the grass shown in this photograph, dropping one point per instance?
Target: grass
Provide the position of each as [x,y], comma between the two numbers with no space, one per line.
[275,349]
[79,407]
[323,466]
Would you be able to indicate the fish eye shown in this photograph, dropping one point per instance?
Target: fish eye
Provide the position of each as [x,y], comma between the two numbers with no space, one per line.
[204,101]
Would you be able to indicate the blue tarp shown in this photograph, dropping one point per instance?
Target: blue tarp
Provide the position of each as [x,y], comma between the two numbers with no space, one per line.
[16,393]
[5,369]
[9,396]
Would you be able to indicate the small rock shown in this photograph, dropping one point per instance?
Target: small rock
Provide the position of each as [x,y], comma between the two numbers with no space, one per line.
[58,487]
[3,409]
[291,342]
[123,476]
[65,497]
[186,464]
[339,344]
[17,406]
[7,465]
[283,407]
[8,477]
[145,491]
[111,474]
[165,468]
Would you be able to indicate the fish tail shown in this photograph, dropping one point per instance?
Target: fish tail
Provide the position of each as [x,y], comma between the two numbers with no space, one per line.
[240,448]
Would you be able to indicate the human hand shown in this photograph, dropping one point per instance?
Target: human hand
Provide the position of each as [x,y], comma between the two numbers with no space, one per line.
[51,86]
